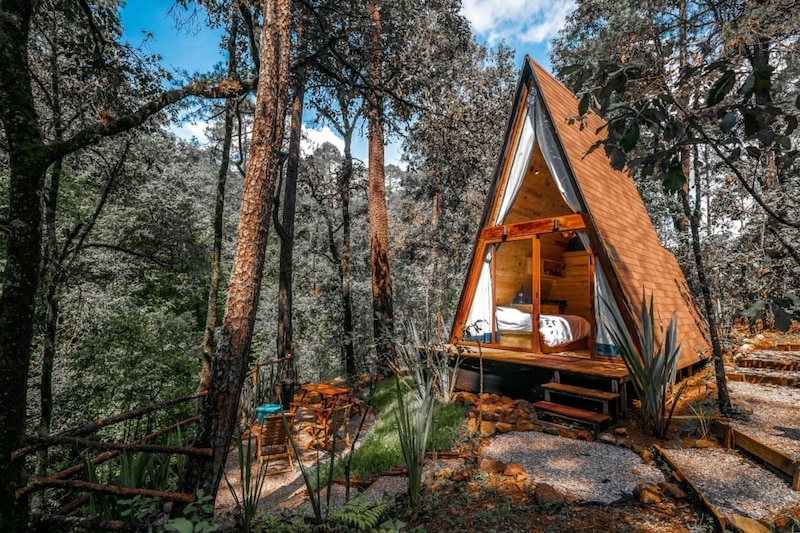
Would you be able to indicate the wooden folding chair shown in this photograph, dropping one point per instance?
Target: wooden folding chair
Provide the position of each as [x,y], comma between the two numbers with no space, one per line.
[273,441]
[332,426]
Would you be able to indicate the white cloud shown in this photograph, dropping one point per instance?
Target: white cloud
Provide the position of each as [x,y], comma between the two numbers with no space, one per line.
[313,139]
[517,21]
[191,131]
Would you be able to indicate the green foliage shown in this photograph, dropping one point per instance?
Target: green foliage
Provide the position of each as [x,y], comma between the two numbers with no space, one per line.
[381,449]
[419,360]
[197,517]
[247,500]
[414,425]
[653,369]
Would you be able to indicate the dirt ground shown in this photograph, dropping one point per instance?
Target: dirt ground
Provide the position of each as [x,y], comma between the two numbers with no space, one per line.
[461,496]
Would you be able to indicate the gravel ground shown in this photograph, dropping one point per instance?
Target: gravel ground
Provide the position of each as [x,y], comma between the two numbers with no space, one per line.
[735,484]
[586,471]
[775,419]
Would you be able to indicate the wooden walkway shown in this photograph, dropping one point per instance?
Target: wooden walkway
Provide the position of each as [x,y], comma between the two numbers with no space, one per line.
[574,362]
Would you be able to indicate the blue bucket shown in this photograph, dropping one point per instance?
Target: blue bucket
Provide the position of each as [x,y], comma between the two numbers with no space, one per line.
[266,410]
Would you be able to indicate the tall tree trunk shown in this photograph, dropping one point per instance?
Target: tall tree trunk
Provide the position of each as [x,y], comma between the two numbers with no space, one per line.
[219,210]
[383,314]
[694,217]
[27,167]
[285,340]
[221,405]
[345,266]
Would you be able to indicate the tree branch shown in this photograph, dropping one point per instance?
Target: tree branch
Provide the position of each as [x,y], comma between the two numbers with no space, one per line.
[90,135]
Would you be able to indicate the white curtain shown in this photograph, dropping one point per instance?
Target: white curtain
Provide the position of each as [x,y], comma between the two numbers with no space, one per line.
[519,167]
[479,320]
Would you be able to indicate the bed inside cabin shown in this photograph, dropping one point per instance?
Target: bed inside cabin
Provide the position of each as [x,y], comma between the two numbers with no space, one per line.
[544,281]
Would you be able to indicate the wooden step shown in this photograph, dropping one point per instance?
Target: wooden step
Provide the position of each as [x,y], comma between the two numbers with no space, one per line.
[605,398]
[596,420]
[581,392]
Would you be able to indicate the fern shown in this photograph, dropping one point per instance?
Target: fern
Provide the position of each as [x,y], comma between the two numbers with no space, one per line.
[360,515]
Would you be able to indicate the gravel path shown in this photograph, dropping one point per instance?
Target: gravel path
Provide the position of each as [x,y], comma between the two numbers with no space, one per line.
[735,484]
[776,415]
[587,471]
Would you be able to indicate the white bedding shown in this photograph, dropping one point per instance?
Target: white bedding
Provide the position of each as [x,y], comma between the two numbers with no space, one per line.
[556,330]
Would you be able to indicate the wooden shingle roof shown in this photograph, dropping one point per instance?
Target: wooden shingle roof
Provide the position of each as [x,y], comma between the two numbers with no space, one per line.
[631,246]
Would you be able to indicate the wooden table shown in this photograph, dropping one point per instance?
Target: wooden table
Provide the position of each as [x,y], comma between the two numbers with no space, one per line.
[330,397]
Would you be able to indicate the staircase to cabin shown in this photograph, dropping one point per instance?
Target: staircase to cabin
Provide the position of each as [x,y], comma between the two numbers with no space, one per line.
[589,401]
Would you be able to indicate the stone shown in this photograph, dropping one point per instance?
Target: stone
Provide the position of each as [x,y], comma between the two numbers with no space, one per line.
[704,443]
[584,434]
[743,524]
[545,494]
[487,429]
[472,424]
[647,493]
[622,432]
[551,430]
[672,490]
[515,470]
[493,466]
[647,456]
[503,427]
[607,438]
[568,434]
[523,425]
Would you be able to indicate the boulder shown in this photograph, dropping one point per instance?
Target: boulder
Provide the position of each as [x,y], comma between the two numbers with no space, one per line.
[503,427]
[492,466]
[743,524]
[523,425]
[647,493]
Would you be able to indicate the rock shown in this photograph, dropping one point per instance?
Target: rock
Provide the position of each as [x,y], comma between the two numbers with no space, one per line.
[647,456]
[551,430]
[746,348]
[672,490]
[503,427]
[743,524]
[607,438]
[625,443]
[493,466]
[635,448]
[647,493]
[472,424]
[622,432]
[586,435]
[487,428]
[704,443]
[568,434]
[545,494]
[523,425]
[516,471]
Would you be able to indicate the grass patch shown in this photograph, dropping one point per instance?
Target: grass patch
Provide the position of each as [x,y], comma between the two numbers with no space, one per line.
[381,449]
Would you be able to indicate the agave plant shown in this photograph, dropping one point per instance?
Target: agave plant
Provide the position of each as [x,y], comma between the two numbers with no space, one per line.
[653,370]
[414,424]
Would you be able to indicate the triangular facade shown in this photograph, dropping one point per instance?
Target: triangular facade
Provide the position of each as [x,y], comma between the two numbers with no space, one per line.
[565,238]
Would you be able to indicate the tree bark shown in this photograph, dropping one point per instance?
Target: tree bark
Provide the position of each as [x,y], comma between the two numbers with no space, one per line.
[27,167]
[383,314]
[285,338]
[219,210]
[221,406]
[345,266]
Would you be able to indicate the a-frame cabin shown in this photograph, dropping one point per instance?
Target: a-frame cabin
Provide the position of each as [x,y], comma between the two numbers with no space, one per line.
[562,234]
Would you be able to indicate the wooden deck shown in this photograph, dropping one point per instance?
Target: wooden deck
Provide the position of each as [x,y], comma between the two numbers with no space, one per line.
[574,362]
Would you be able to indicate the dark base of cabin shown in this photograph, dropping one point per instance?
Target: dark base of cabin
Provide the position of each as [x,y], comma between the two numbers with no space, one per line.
[525,375]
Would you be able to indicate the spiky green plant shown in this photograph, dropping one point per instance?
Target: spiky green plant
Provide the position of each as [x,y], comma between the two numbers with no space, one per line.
[251,485]
[414,425]
[653,370]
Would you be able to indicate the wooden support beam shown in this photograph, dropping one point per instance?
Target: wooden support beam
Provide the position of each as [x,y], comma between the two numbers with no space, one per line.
[732,437]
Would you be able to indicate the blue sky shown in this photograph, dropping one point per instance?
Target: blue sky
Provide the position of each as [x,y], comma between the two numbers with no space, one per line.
[528,26]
